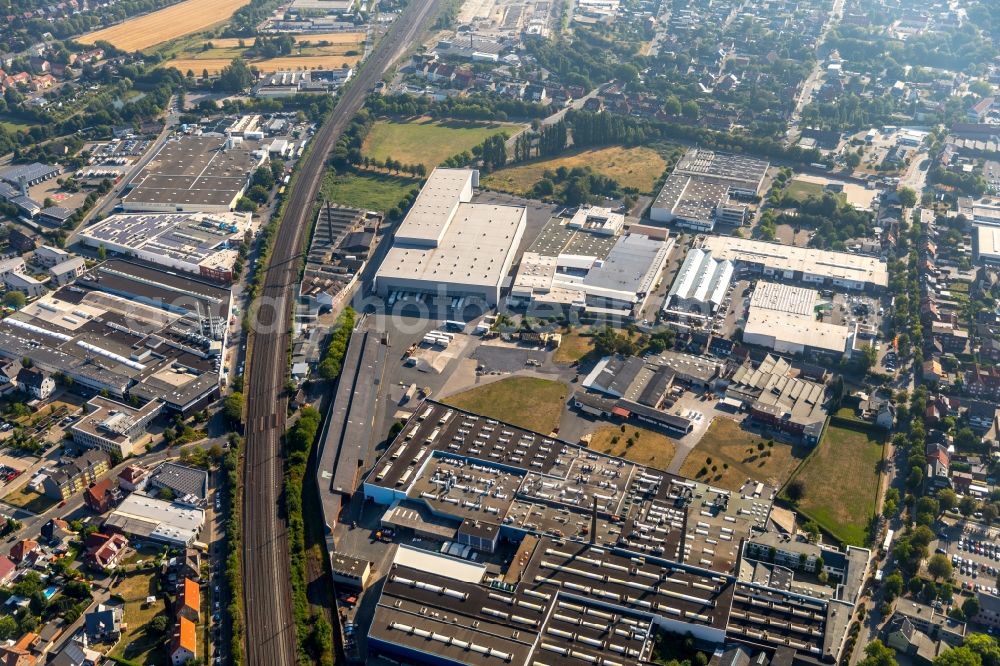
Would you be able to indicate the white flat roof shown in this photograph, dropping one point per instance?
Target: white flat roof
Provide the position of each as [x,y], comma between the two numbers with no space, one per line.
[435,207]
[784,298]
[807,260]
[796,329]
[988,241]
[442,565]
[473,249]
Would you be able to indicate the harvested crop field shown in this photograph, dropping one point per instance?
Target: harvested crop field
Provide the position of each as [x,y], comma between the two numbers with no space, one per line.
[161,26]
[630,167]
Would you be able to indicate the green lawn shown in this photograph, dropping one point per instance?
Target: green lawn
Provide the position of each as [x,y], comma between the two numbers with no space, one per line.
[801,190]
[429,142]
[529,402]
[14,125]
[841,481]
[368,190]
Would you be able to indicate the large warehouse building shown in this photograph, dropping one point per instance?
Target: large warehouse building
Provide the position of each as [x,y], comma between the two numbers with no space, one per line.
[783,318]
[701,283]
[840,270]
[191,174]
[205,244]
[706,187]
[585,264]
[449,246]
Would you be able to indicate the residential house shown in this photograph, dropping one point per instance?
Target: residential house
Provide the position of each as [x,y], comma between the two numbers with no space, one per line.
[188,565]
[189,601]
[8,376]
[104,624]
[67,271]
[57,533]
[20,241]
[8,569]
[933,623]
[36,383]
[932,371]
[184,643]
[22,552]
[903,637]
[983,382]
[102,496]
[133,478]
[20,653]
[74,654]
[981,416]
[103,551]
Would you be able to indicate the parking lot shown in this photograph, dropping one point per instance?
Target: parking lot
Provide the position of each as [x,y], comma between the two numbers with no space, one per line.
[974,552]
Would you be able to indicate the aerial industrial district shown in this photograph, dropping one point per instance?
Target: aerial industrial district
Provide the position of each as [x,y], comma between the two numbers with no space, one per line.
[655,354]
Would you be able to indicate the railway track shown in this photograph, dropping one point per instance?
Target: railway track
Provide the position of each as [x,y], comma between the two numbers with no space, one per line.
[267,598]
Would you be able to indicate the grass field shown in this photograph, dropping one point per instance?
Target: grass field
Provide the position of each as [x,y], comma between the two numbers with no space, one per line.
[841,483]
[13,125]
[30,500]
[573,347]
[801,190]
[535,404]
[428,142]
[363,189]
[137,644]
[631,167]
[161,26]
[735,454]
[649,447]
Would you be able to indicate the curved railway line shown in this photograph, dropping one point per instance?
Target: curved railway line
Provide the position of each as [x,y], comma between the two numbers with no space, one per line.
[267,599]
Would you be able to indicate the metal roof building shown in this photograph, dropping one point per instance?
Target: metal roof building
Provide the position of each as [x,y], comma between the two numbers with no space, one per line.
[701,283]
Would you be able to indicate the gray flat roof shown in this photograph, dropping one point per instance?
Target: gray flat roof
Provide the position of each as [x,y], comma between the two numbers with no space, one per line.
[193,170]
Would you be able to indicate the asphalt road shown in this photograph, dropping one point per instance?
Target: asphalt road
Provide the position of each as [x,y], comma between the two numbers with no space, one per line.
[270,630]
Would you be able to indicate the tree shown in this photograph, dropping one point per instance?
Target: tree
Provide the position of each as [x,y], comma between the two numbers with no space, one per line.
[868,358]
[158,624]
[878,654]
[8,628]
[796,490]
[907,197]
[853,160]
[947,499]
[893,585]
[232,408]
[971,607]
[990,513]
[939,566]
[968,506]
[14,299]
[960,656]
[102,252]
